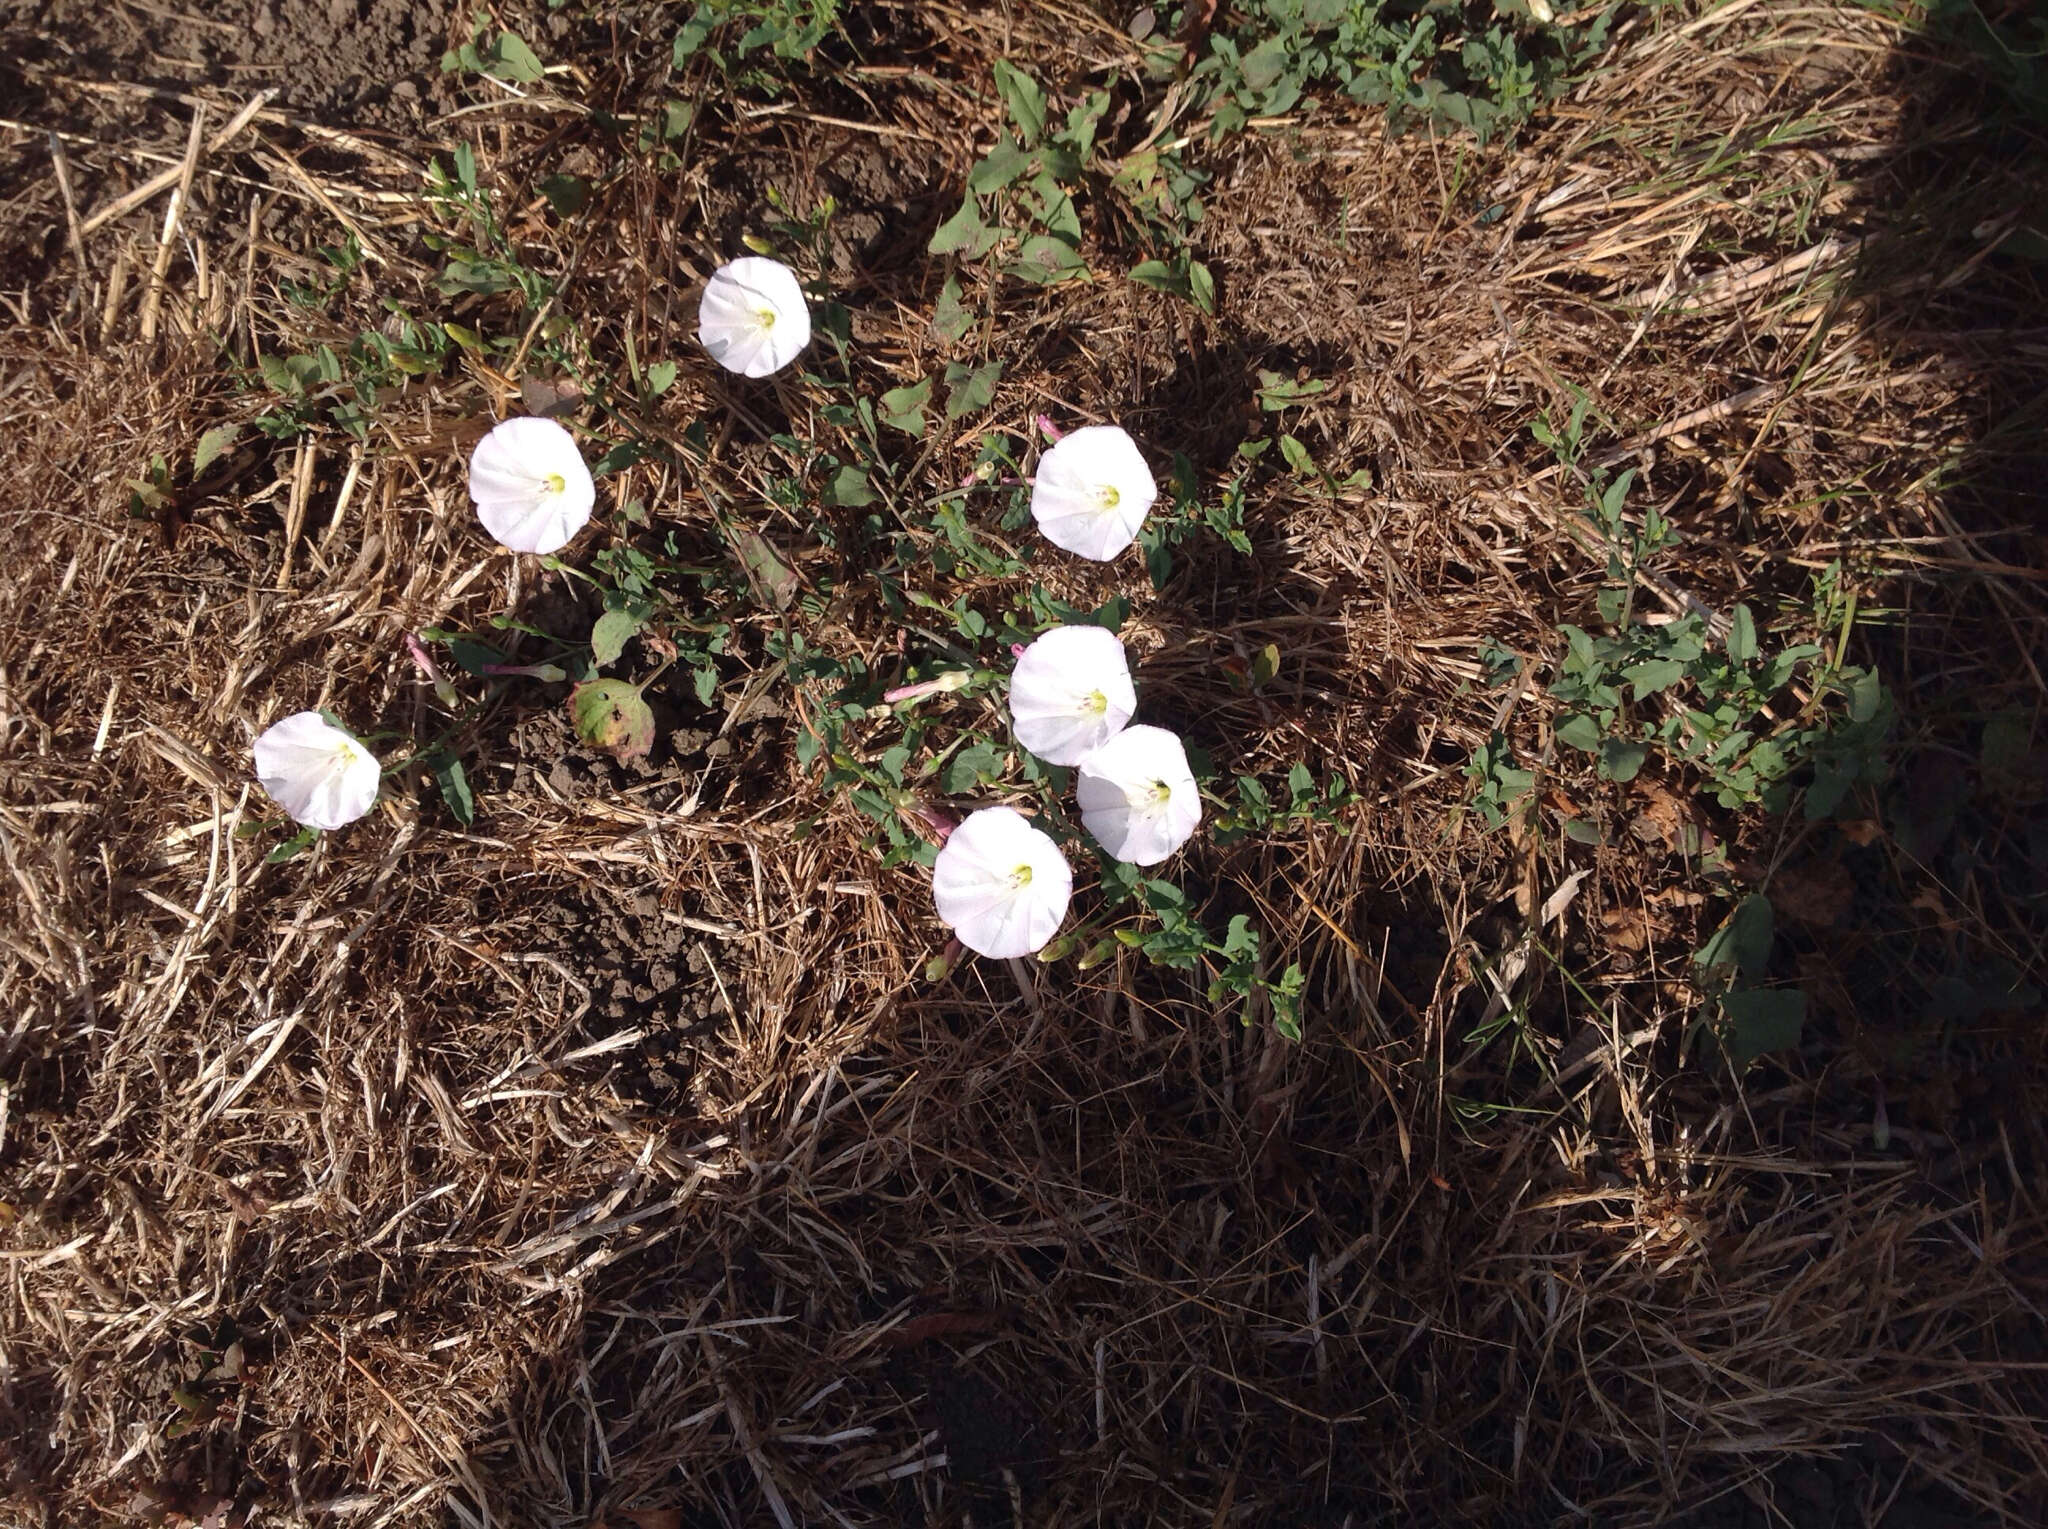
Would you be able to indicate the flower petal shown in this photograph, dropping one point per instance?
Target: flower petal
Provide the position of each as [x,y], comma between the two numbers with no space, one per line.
[1071,693]
[752,317]
[513,478]
[1092,492]
[1001,884]
[322,776]
[1138,798]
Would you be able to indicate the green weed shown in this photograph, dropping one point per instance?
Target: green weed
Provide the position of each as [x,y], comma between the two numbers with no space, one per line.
[1431,63]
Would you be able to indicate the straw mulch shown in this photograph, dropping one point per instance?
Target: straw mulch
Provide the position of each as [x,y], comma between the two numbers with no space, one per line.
[616,1161]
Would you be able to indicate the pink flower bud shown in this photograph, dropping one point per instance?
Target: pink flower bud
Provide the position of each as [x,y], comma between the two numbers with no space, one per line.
[422,659]
[955,679]
[936,820]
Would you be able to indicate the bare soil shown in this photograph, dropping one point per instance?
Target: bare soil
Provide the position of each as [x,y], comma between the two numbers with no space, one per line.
[361,64]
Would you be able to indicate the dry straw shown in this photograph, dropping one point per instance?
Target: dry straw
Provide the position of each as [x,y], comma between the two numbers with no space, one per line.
[617,1155]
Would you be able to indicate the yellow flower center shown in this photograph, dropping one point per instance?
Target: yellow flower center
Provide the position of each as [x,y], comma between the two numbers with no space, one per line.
[555,483]
[1096,702]
[1109,495]
[1021,877]
[765,317]
[1162,793]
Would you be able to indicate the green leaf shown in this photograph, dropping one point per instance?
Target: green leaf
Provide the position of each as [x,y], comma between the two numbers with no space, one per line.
[1252,795]
[849,489]
[619,458]
[1866,695]
[1158,559]
[1278,391]
[471,656]
[999,167]
[1583,655]
[609,636]
[1761,1020]
[1620,758]
[1202,288]
[1165,897]
[903,408]
[1055,207]
[1047,260]
[964,233]
[279,377]
[660,378]
[1654,675]
[1581,731]
[1265,666]
[1615,497]
[970,390]
[1581,832]
[1741,636]
[454,784]
[1743,941]
[297,844]
[614,716]
[1297,455]
[1160,277]
[950,318]
[1023,98]
[1264,65]
[512,60]
[972,767]
[482,277]
[1286,999]
[211,445]
[567,194]
[1079,133]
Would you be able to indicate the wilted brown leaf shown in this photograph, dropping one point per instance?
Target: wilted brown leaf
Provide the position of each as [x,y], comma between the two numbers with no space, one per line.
[1626,928]
[549,398]
[1663,817]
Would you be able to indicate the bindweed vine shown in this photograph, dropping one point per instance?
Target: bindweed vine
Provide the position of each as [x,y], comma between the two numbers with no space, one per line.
[1075,774]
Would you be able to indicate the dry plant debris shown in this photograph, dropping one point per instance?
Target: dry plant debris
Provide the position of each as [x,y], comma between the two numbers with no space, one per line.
[616,1159]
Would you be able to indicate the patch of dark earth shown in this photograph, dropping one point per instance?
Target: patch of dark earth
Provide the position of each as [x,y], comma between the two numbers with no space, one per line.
[344,63]
[653,992]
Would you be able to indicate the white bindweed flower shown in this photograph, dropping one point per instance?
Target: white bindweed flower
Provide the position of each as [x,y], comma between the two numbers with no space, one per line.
[531,488]
[1001,884]
[752,317]
[1071,693]
[1138,797]
[1092,491]
[321,775]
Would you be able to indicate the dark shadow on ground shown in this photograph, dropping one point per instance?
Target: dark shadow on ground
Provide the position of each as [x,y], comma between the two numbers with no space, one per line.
[1921,949]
